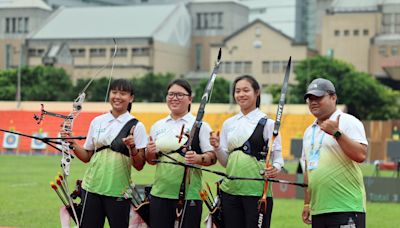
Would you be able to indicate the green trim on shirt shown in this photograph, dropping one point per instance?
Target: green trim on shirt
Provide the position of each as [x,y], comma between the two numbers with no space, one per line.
[243,165]
[109,173]
[168,179]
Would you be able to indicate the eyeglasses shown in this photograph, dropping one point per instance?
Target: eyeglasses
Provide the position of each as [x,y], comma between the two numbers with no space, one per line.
[178,96]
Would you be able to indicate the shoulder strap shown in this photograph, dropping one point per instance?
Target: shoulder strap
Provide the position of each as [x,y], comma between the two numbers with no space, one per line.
[117,145]
[256,145]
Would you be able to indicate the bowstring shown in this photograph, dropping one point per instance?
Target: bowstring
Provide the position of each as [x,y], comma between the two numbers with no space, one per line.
[105,101]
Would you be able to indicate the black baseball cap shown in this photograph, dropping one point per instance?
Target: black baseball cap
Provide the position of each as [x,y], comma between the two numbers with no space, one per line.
[318,87]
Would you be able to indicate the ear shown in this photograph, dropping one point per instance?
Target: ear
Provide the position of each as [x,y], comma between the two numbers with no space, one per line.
[258,92]
[191,99]
[133,99]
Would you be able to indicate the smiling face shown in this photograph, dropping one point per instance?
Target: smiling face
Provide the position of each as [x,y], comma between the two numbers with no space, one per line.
[119,101]
[178,100]
[245,96]
[322,107]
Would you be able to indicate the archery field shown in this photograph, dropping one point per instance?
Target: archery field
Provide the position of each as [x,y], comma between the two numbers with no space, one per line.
[27,200]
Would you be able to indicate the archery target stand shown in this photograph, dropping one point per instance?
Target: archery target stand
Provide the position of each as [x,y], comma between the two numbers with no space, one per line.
[37,146]
[10,143]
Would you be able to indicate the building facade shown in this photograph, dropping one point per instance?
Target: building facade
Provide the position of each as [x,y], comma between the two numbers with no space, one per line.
[365,34]
[260,50]
[158,45]
[18,18]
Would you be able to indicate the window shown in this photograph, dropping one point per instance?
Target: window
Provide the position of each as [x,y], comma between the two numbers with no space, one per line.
[80,52]
[144,51]
[355,32]
[346,32]
[205,20]
[337,32]
[365,32]
[266,67]
[13,25]
[199,56]
[20,25]
[238,67]
[35,52]
[382,51]
[7,25]
[198,25]
[397,23]
[97,52]
[387,18]
[275,66]
[247,67]
[228,67]
[16,25]
[395,51]
[219,22]
[121,52]
[26,19]
[211,20]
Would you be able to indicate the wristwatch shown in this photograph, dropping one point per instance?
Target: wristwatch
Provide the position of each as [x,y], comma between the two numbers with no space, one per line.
[337,134]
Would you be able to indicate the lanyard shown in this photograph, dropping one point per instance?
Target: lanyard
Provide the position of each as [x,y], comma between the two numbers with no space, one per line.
[313,139]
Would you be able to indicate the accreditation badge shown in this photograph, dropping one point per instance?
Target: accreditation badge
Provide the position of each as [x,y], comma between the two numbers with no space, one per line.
[313,161]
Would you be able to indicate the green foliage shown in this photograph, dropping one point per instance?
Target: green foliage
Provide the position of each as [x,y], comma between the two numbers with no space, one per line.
[45,83]
[8,82]
[152,87]
[40,83]
[220,92]
[319,67]
[364,96]
[275,91]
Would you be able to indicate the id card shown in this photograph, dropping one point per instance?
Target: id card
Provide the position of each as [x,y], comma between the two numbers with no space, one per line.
[313,161]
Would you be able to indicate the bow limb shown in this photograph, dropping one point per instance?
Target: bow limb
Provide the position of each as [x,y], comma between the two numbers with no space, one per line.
[77,105]
[67,127]
[180,211]
[262,205]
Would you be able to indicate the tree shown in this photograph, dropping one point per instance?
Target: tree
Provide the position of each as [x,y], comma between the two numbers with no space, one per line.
[8,84]
[40,83]
[367,99]
[152,87]
[318,67]
[364,97]
[220,94]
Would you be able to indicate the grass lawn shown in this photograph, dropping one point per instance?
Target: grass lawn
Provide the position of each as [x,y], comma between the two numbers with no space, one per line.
[26,199]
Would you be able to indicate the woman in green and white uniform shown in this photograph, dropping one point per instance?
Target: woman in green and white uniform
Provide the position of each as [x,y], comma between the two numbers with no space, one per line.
[165,137]
[238,148]
[115,141]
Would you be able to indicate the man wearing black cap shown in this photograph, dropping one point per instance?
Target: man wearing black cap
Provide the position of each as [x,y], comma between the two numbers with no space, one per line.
[333,148]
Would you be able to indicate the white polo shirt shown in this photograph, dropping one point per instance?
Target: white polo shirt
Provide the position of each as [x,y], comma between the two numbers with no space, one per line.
[235,132]
[168,127]
[168,177]
[238,129]
[104,128]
